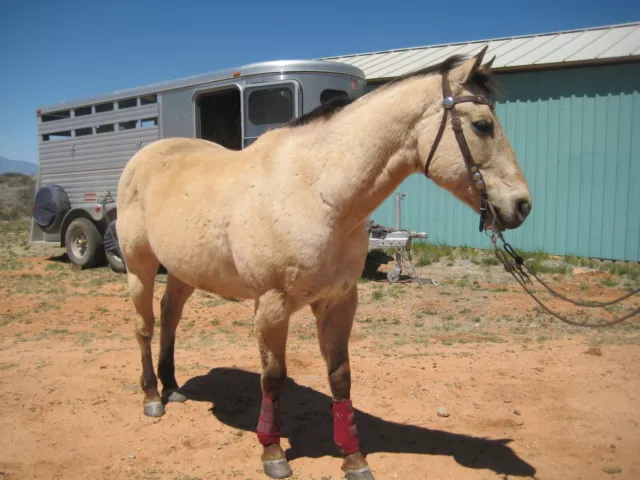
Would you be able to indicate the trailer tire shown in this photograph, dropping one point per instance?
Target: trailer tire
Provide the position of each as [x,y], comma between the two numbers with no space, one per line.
[50,206]
[116,263]
[84,243]
[112,249]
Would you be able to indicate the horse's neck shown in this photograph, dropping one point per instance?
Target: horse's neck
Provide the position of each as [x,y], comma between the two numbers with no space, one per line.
[369,149]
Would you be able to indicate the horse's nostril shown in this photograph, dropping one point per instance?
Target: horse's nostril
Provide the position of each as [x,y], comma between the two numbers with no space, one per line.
[524,207]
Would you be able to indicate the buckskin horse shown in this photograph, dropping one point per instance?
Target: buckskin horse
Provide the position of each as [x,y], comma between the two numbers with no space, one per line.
[283,222]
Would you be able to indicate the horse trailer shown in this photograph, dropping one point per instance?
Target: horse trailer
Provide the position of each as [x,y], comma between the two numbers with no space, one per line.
[84,145]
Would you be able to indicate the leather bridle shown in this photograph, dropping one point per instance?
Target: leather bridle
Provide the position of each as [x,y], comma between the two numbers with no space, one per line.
[512,262]
[449,103]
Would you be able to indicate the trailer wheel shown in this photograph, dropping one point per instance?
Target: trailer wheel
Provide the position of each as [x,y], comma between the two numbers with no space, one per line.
[112,249]
[115,262]
[84,243]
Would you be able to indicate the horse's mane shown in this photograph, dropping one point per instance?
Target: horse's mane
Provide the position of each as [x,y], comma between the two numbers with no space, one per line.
[482,79]
[324,111]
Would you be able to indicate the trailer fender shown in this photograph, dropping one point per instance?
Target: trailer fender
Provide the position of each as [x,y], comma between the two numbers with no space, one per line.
[51,204]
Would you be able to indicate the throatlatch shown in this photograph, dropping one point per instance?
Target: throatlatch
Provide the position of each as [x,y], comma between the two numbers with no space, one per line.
[345,432]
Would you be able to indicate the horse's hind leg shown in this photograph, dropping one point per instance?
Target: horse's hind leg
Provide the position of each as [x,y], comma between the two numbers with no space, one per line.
[272,323]
[141,272]
[173,300]
[334,321]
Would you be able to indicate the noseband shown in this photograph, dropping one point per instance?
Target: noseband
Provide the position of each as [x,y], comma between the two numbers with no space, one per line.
[475,177]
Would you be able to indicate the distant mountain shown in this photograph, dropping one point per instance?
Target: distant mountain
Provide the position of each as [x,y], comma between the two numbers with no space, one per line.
[16,166]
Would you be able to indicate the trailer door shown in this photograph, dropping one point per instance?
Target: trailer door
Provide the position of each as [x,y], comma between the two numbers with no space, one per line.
[268,106]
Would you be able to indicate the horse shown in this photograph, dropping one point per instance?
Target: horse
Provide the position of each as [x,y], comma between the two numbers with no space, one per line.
[283,222]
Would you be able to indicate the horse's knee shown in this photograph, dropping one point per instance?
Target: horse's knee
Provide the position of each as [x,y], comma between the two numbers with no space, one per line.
[340,380]
[273,381]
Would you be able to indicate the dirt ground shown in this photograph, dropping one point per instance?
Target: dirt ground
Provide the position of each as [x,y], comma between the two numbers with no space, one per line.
[527,395]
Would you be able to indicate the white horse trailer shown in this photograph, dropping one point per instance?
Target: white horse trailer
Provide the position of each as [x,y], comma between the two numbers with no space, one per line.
[85,144]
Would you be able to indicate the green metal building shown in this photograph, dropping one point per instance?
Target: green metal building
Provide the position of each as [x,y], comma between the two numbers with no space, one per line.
[570,105]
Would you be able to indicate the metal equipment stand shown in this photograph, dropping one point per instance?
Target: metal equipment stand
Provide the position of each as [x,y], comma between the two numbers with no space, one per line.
[398,238]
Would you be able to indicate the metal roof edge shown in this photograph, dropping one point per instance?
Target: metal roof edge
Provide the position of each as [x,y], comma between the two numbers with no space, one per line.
[514,37]
[248,70]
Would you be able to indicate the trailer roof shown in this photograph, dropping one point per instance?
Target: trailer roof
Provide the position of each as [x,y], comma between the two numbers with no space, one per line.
[252,69]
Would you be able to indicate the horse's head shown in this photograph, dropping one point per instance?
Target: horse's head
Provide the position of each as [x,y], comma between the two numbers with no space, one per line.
[506,188]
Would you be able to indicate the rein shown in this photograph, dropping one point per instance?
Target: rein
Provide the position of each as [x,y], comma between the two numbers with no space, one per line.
[512,262]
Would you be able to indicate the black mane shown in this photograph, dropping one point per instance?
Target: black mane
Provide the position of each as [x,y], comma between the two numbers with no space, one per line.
[481,79]
[326,110]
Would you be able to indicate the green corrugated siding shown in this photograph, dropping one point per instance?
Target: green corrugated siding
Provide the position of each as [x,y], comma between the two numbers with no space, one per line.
[576,133]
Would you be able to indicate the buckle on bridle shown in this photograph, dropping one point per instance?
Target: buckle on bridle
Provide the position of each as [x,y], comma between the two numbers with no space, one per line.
[448,102]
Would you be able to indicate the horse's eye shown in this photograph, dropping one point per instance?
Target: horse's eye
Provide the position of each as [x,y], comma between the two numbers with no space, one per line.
[483,127]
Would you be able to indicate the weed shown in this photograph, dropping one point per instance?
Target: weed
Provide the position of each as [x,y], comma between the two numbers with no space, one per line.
[242,323]
[377,295]
[490,261]
[8,318]
[85,338]
[214,303]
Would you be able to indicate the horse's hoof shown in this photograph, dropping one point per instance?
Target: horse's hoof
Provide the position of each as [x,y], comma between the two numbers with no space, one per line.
[360,474]
[277,468]
[175,396]
[154,409]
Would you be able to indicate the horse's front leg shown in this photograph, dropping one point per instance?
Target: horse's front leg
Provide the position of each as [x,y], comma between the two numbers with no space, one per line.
[271,324]
[334,321]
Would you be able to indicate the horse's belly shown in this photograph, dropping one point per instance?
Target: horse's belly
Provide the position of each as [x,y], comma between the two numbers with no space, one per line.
[206,267]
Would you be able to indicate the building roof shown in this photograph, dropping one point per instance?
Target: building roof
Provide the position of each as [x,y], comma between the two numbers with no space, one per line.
[566,48]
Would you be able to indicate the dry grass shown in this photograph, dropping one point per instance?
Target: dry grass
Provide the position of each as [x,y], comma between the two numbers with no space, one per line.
[16,196]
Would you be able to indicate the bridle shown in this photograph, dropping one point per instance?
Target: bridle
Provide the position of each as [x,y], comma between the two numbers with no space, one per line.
[449,103]
[512,262]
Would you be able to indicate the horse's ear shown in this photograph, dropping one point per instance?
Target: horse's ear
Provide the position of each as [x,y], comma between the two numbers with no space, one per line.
[467,71]
[486,68]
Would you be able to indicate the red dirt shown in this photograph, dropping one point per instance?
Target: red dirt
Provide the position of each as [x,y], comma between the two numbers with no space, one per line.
[542,407]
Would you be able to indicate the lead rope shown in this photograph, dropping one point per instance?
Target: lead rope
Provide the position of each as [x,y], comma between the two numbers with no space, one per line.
[520,271]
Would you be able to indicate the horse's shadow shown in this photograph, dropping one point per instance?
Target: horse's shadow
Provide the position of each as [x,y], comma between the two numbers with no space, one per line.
[306,420]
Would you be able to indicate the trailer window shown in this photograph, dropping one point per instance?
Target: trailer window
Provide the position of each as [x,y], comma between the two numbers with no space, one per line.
[329,94]
[105,128]
[83,132]
[104,107]
[272,105]
[130,125]
[128,103]
[149,122]
[79,112]
[59,115]
[148,99]
[56,136]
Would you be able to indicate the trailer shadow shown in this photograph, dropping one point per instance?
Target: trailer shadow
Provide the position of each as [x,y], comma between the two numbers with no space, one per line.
[307,423]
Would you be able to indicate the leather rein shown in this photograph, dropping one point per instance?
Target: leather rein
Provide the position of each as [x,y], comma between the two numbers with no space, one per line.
[512,262]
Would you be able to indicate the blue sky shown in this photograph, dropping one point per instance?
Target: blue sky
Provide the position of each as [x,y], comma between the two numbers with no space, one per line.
[61,50]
